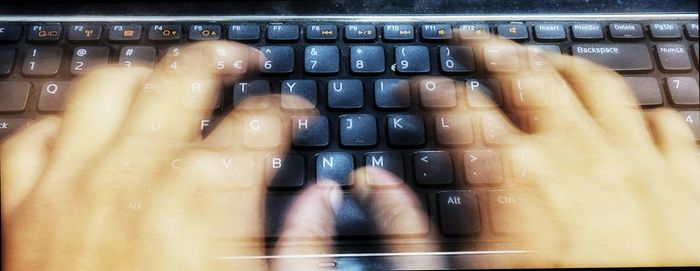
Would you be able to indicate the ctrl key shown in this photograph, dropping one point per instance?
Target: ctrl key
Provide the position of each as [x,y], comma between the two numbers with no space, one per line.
[459,212]
[509,211]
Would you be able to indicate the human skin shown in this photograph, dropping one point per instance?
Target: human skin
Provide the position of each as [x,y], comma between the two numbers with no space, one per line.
[99,188]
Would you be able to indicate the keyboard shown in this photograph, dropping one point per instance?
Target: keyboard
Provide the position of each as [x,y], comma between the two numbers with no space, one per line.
[357,73]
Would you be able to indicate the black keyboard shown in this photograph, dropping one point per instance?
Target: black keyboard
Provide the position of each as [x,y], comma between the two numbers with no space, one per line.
[358,76]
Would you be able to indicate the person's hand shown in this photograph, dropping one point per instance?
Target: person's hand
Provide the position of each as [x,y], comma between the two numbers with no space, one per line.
[595,181]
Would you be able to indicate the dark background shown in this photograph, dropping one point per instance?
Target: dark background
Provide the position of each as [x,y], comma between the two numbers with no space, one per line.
[339,7]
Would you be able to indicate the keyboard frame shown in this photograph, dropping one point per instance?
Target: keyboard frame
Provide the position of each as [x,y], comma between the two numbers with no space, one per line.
[360,251]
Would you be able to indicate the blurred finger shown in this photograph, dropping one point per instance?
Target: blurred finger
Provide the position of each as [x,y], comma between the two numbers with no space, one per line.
[23,159]
[675,140]
[311,218]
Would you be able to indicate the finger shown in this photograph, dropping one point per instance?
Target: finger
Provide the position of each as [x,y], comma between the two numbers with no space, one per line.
[541,96]
[675,141]
[311,218]
[94,113]
[23,159]
[397,212]
[607,97]
[180,92]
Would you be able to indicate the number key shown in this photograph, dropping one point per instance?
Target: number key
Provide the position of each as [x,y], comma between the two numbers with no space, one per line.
[321,59]
[412,59]
[86,58]
[277,59]
[367,59]
[456,59]
[41,61]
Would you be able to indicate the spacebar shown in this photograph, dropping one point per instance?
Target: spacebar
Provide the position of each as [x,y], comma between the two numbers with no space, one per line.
[618,57]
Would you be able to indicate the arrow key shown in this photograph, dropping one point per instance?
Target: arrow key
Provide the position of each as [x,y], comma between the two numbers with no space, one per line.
[433,168]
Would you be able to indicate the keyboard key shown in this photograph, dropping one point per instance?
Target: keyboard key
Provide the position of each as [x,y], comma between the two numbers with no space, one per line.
[684,91]
[137,56]
[286,172]
[124,33]
[277,59]
[364,32]
[335,166]
[436,32]
[478,89]
[306,89]
[345,94]
[433,168]
[310,131]
[53,95]
[390,161]
[7,59]
[405,130]
[646,89]
[458,212]
[283,32]
[692,118]
[10,32]
[10,125]
[44,32]
[517,32]
[673,57]
[321,59]
[42,61]
[453,130]
[165,33]
[618,57]
[246,89]
[412,59]
[626,31]
[324,32]
[691,30]
[495,130]
[507,213]
[665,31]
[482,167]
[244,32]
[398,32]
[199,32]
[696,52]
[392,94]
[535,59]
[438,93]
[456,59]
[84,32]
[367,59]
[501,58]
[13,96]
[474,31]
[549,32]
[587,32]
[262,131]
[358,130]
[88,57]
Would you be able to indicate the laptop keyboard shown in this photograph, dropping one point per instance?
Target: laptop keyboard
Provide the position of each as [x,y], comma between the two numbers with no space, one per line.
[371,113]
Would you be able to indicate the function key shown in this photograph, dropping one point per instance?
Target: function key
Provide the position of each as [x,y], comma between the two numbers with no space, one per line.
[282,32]
[474,31]
[513,31]
[124,33]
[587,32]
[550,32]
[691,30]
[84,32]
[324,32]
[436,32]
[159,32]
[10,32]
[665,31]
[205,32]
[244,32]
[44,33]
[626,31]
[398,32]
[366,32]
